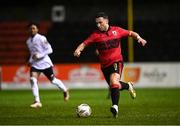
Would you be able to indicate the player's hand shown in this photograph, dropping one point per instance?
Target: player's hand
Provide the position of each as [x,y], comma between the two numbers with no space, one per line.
[142,41]
[77,53]
[35,57]
[79,49]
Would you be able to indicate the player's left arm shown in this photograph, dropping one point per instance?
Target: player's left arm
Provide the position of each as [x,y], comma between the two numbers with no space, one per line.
[47,48]
[138,38]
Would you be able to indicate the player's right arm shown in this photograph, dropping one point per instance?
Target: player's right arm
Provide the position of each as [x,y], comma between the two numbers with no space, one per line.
[87,42]
[79,49]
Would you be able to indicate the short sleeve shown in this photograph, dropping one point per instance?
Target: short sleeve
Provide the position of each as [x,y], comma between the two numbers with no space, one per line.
[90,39]
[123,32]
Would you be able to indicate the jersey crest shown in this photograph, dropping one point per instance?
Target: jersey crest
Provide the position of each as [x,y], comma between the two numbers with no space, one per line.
[114,33]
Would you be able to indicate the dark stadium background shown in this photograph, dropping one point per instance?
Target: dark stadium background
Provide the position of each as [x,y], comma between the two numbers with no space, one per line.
[157,21]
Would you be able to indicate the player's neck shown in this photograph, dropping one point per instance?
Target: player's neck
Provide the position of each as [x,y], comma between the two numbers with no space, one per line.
[32,35]
[107,28]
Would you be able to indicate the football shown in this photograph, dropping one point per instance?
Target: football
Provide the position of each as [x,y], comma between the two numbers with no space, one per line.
[83,110]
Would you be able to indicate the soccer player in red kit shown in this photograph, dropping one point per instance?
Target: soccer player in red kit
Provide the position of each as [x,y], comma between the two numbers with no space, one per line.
[107,41]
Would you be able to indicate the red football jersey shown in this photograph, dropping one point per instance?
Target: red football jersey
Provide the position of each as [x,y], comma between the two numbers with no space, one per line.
[108,44]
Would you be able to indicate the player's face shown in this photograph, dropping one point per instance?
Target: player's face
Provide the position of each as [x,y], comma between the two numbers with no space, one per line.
[33,30]
[102,24]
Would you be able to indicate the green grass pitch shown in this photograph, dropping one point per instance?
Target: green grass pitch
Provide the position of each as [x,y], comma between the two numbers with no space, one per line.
[151,107]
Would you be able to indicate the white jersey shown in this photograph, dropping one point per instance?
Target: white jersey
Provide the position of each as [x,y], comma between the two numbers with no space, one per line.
[39,45]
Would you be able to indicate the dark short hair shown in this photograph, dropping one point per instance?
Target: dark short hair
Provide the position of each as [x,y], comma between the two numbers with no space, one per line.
[101,14]
[33,23]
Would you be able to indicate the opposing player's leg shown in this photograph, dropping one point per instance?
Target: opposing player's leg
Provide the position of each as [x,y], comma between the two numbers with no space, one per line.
[35,90]
[61,86]
[50,75]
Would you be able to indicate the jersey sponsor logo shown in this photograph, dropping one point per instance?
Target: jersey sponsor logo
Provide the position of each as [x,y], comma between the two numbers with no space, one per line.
[108,44]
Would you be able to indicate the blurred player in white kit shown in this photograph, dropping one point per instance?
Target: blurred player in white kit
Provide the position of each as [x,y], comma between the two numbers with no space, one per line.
[40,62]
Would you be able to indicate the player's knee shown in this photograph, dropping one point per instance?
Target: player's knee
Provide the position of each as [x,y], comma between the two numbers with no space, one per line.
[54,80]
[115,85]
[51,78]
[33,80]
[114,80]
